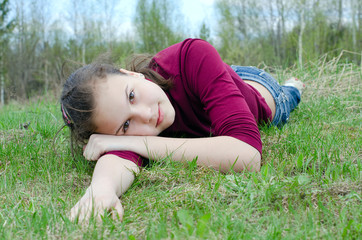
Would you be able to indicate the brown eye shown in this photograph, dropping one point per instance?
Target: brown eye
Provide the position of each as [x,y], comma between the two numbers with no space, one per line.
[125,126]
[131,96]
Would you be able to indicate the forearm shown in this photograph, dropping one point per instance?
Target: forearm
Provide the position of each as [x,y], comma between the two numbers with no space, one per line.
[113,174]
[220,153]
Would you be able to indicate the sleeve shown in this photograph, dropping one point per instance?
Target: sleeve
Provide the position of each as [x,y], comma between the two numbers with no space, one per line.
[133,157]
[208,76]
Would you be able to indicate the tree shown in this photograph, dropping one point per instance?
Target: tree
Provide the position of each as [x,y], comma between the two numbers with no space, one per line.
[204,32]
[238,24]
[156,24]
[302,7]
[281,11]
[5,28]
[355,8]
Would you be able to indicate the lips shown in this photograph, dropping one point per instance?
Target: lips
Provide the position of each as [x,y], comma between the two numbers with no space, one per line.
[160,116]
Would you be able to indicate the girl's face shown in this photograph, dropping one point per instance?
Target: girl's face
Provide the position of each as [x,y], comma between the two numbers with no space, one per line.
[131,105]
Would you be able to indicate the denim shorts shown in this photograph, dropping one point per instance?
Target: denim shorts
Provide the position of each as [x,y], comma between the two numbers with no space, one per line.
[286,97]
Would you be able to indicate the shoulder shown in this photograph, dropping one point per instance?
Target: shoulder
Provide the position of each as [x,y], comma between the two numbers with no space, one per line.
[196,47]
[172,60]
[196,42]
[189,44]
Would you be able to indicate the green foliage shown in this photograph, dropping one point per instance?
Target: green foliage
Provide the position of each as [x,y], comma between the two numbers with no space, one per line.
[205,32]
[252,32]
[156,25]
[35,46]
[5,25]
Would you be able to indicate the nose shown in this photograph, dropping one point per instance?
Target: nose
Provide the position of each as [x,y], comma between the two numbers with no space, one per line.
[142,113]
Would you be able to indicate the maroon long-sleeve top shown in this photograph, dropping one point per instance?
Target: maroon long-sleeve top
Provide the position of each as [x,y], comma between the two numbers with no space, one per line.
[209,98]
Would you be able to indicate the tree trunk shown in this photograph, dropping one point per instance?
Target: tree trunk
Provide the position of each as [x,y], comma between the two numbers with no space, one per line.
[300,38]
[281,28]
[2,91]
[2,80]
[271,28]
[340,13]
[354,28]
[83,53]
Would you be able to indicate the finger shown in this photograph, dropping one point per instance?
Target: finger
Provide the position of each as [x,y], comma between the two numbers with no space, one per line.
[72,216]
[117,212]
[74,212]
[88,149]
[98,217]
[84,214]
[89,155]
[95,157]
[85,152]
[85,210]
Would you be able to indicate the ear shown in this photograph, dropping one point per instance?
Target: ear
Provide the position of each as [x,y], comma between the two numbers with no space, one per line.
[131,73]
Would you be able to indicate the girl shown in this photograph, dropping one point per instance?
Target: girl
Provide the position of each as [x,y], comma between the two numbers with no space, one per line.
[125,117]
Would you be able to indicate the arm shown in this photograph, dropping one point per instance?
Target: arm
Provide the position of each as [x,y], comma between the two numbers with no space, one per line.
[111,178]
[220,152]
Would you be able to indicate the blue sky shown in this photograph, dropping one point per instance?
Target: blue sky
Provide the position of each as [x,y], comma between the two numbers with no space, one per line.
[194,11]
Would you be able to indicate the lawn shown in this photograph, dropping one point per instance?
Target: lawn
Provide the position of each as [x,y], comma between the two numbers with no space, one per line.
[309,186]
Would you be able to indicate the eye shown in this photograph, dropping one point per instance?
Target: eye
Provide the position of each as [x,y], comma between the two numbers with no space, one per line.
[131,96]
[126,126]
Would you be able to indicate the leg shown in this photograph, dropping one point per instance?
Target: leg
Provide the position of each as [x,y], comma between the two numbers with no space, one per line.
[265,93]
[293,96]
[286,98]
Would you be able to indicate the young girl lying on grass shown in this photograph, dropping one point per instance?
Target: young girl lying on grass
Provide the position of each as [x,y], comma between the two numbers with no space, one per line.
[125,117]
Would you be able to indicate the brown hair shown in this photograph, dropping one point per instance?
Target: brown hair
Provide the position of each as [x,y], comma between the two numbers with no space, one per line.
[144,63]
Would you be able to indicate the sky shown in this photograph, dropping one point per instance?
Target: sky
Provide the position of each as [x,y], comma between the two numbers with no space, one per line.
[194,11]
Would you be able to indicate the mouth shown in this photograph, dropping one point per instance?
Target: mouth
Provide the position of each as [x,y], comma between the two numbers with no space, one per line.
[160,116]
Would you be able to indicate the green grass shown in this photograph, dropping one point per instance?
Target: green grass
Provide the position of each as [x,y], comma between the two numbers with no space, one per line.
[309,186]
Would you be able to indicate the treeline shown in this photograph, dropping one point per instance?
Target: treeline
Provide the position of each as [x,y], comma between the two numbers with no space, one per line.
[37,38]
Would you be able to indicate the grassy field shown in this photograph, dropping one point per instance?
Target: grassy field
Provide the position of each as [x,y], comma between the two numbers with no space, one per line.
[309,187]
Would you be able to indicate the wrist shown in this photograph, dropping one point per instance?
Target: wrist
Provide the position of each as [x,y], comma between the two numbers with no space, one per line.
[136,144]
[95,190]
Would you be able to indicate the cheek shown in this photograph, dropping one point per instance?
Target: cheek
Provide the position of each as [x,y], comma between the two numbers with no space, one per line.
[154,91]
[143,130]
[105,124]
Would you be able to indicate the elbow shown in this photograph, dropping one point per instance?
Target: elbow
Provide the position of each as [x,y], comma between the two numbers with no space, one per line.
[243,157]
[255,163]
[249,162]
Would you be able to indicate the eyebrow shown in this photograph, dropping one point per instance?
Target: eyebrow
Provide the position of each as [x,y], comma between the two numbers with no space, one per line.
[126,94]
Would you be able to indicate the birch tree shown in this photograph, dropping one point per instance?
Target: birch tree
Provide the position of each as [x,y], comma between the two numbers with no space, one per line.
[302,6]
[354,9]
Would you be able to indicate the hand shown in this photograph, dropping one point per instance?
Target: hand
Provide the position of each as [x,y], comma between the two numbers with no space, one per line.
[99,144]
[96,204]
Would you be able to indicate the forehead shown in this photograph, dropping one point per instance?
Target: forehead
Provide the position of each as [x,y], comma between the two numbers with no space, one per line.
[108,88]
[110,100]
